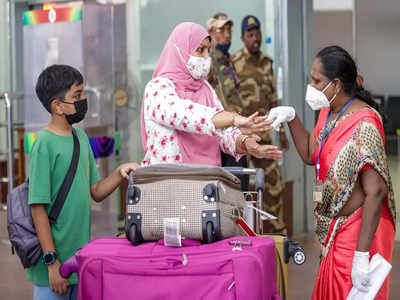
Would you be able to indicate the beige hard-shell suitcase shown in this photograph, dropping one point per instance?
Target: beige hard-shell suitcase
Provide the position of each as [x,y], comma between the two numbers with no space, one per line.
[206,200]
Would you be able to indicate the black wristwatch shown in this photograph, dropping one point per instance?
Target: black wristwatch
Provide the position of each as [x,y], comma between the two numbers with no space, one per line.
[49,258]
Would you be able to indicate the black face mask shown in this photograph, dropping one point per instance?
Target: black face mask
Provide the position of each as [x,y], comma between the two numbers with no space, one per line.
[224,48]
[81,108]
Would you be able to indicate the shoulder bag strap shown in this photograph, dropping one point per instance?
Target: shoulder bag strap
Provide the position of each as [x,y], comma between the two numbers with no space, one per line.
[67,183]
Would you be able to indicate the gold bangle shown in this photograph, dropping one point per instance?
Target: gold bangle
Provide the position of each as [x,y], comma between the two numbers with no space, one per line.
[282,129]
[233,119]
[243,143]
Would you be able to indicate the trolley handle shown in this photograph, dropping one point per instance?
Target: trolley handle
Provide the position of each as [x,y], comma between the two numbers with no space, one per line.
[260,183]
[259,173]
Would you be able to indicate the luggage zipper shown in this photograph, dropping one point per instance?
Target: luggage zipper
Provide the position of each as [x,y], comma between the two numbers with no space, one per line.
[184,261]
[237,246]
[231,285]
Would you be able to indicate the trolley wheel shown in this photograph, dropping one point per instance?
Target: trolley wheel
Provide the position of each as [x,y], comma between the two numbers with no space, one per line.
[133,236]
[210,232]
[299,258]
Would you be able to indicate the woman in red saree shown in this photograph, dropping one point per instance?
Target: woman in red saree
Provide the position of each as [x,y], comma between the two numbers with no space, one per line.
[353,195]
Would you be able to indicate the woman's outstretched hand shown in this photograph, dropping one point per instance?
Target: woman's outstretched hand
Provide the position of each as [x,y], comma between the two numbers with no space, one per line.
[252,124]
[261,151]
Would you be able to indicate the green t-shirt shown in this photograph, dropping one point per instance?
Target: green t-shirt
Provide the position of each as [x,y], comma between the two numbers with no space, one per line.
[49,162]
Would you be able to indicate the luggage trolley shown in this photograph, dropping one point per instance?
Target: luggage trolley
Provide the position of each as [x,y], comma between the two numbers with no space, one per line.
[193,185]
[292,248]
[285,248]
[144,209]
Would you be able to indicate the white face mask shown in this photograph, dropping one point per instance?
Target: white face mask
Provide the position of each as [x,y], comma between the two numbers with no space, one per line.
[198,67]
[317,99]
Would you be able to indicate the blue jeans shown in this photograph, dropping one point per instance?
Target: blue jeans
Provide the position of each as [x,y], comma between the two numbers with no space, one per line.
[44,292]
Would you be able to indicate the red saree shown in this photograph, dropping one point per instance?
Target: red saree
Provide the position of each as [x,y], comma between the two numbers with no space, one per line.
[356,143]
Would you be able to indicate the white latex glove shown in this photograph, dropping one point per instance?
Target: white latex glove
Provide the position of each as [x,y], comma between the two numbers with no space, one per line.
[281,114]
[360,271]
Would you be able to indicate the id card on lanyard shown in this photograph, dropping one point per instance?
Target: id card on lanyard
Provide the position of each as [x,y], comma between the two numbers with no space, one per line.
[318,186]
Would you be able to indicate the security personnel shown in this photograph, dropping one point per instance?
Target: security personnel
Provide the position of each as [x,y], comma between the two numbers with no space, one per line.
[223,76]
[257,90]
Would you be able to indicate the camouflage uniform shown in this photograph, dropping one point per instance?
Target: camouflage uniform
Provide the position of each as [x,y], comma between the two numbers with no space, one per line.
[257,91]
[224,80]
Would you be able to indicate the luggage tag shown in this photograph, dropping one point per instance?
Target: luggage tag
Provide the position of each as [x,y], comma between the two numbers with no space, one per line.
[317,191]
[263,214]
[172,238]
[245,227]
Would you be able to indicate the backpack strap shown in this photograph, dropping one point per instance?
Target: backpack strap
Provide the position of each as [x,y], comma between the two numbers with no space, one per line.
[67,183]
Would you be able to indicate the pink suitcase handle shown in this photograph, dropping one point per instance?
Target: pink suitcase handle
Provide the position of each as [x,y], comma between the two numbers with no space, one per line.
[69,267]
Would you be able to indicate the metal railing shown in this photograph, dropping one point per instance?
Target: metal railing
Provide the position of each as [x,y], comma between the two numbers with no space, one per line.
[10,140]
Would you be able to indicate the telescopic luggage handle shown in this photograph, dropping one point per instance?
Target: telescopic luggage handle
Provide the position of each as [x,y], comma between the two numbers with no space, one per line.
[259,173]
[131,180]
[70,266]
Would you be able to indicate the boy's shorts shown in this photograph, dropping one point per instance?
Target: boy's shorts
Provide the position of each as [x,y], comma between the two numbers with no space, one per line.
[44,292]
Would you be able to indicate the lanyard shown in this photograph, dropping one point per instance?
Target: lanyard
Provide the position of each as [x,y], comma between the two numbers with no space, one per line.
[326,133]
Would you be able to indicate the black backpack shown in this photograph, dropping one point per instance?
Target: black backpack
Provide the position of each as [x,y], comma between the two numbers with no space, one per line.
[21,229]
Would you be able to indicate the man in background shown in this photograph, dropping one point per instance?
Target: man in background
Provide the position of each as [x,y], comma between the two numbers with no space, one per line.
[223,77]
[257,92]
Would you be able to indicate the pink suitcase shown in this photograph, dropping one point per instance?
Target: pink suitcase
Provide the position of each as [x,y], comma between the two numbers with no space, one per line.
[235,268]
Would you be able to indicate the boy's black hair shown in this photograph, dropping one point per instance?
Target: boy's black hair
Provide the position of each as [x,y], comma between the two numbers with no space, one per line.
[54,82]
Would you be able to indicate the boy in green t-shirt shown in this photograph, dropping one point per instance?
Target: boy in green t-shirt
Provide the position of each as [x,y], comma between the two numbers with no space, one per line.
[60,90]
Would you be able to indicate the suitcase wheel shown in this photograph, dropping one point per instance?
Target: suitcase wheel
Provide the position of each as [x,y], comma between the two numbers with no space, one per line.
[299,257]
[210,233]
[133,235]
[295,250]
